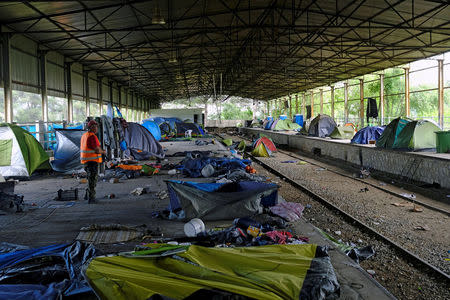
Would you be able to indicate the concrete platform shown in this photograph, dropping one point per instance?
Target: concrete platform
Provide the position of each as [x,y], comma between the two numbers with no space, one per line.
[432,167]
[45,224]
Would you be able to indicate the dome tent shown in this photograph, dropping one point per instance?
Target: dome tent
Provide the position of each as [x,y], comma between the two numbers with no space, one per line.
[321,126]
[67,151]
[343,132]
[286,124]
[417,136]
[20,153]
[390,133]
[153,127]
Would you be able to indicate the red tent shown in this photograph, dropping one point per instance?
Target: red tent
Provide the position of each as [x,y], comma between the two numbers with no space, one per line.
[269,144]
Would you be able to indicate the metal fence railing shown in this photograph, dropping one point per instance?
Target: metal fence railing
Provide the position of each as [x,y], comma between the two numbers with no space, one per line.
[387,120]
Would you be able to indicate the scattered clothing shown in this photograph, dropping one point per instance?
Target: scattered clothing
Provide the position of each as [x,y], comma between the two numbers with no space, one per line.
[288,210]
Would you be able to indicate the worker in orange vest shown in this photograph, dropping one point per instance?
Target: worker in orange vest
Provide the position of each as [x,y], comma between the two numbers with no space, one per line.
[91,157]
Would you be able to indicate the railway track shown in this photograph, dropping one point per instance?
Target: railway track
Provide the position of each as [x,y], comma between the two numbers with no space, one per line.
[427,205]
[416,261]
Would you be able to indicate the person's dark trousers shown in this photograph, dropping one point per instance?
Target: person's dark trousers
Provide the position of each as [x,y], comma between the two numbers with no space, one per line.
[91,169]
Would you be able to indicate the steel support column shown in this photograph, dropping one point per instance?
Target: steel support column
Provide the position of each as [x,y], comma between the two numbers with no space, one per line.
[296,104]
[100,93]
[381,121]
[407,107]
[321,101]
[7,82]
[119,88]
[267,105]
[290,107]
[43,83]
[312,104]
[68,69]
[110,92]
[345,102]
[304,106]
[332,101]
[126,102]
[361,103]
[441,92]
[87,98]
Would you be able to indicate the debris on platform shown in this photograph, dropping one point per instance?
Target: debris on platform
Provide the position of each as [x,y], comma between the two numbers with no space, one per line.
[109,234]
[138,191]
[416,208]
[162,195]
[403,204]
[49,272]
[289,211]
[410,196]
[67,195]
[422,227]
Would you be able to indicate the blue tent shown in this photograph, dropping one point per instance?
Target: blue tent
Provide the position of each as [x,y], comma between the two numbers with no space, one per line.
[200,129]
[45,273]
[268,125]
[153,127]
[220,201]
[368,133]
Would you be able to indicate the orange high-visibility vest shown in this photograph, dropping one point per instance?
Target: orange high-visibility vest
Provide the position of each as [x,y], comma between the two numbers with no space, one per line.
[88,154]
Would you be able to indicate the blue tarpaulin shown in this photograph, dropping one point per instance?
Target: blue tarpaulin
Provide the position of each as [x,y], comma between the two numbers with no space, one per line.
[367,133]
[67,150]
[193,167]
[46,272]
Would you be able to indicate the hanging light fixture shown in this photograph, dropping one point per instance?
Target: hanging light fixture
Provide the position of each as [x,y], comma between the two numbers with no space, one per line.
[157,18]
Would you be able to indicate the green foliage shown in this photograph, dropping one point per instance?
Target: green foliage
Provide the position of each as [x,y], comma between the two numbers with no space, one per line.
[27,107]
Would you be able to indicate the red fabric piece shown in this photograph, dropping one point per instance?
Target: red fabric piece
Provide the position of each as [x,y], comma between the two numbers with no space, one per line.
[279,237]
[92,142]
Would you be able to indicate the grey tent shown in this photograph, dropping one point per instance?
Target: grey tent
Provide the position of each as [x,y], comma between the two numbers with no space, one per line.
[67,151]
[321,126]
[140,143]
[220,201]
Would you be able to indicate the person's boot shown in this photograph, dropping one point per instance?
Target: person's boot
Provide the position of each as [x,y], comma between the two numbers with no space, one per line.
[91,200]
[86,195]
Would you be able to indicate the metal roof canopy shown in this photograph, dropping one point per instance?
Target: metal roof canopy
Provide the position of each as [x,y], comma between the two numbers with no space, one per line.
[261,49]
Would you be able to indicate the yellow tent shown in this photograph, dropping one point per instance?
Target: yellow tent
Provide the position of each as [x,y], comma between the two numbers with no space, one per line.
[261,151]
[264,272]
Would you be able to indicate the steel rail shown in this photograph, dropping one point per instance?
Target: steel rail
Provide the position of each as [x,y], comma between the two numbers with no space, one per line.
[414,258]
[446,212]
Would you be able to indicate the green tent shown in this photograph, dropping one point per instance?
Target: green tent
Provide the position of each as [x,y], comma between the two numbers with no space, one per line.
[20,153]
[286,125]
[417,135]
[264,272]
[390,133]
[343,133]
